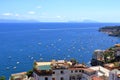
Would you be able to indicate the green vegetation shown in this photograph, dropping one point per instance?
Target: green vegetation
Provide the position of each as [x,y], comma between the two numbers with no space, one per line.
[74,61]
[29,73]
[111,55]
[2,78]
[11,78]
[116,64]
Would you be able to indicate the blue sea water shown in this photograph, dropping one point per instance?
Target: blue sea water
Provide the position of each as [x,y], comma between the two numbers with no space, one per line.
[23,43]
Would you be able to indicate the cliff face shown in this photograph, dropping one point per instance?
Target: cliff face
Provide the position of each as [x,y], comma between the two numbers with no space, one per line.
[111,55]
[111,30]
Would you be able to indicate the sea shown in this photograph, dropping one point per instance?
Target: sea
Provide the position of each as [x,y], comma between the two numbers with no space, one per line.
[21,44]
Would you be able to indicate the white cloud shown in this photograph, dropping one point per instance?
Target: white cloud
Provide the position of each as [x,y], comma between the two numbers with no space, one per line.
[31,12]
[58,16]
[7,14]
[17,15]
[38,7]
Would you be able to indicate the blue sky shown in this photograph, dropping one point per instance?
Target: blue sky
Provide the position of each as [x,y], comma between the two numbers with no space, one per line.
[61,10]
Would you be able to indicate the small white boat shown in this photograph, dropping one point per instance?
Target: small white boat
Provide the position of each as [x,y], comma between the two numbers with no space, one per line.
[59,39]
[14,67]
[17,62]
[31,57]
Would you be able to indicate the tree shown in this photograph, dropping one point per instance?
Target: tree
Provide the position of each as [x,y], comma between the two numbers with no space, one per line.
[109,56]
[2,78]
[29,73]
[74,61]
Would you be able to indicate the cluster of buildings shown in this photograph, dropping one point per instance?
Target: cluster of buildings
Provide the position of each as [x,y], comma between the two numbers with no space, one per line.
[65,70]
[69,70]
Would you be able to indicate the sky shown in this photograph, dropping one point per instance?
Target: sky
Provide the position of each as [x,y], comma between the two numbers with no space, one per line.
[61,10]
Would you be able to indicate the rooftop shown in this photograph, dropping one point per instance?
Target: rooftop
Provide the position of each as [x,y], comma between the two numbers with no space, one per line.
[42,63]
[89,70]
[96,78]
[19,76]
[117,45]
[101,70]
[44,67]
[116,71]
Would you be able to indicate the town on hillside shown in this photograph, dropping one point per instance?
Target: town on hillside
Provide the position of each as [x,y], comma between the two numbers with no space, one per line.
[105,66]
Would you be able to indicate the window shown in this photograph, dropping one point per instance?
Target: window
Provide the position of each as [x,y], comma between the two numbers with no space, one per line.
[76,71]
[73,77]
[79,70]
[53,72]
[83,71]
[62,78]
[53,78]
[71,71]
[46,78]
[61,72]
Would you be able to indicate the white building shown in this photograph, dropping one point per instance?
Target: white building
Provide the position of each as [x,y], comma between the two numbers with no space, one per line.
[19,76]
[62,70]
[81,74]
[101,71]
[114,75]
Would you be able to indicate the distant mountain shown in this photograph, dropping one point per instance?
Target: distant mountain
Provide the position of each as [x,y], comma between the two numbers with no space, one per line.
[84,21]
[89,21]
[17,21]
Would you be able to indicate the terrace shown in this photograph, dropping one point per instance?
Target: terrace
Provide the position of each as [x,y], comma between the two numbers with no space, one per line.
[42,68]
[19,76]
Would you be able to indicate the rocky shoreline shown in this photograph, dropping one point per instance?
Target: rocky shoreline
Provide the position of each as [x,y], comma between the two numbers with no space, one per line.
[111,30]
[111,55]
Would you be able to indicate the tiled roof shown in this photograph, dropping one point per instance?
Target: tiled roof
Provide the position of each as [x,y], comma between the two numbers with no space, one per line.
[89,70]
[96,78]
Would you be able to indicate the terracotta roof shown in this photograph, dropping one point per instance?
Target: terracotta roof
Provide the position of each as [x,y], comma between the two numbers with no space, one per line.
[79,65]
[76,68]
[118,75]
[96,78]
[89,70]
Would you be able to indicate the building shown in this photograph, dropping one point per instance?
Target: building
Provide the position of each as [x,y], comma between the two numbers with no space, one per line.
[42,71]
[65,70]
[81,74]
[54,70]
[101,71]
[62,70]
[19,76]
[114,74]
[117,45]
